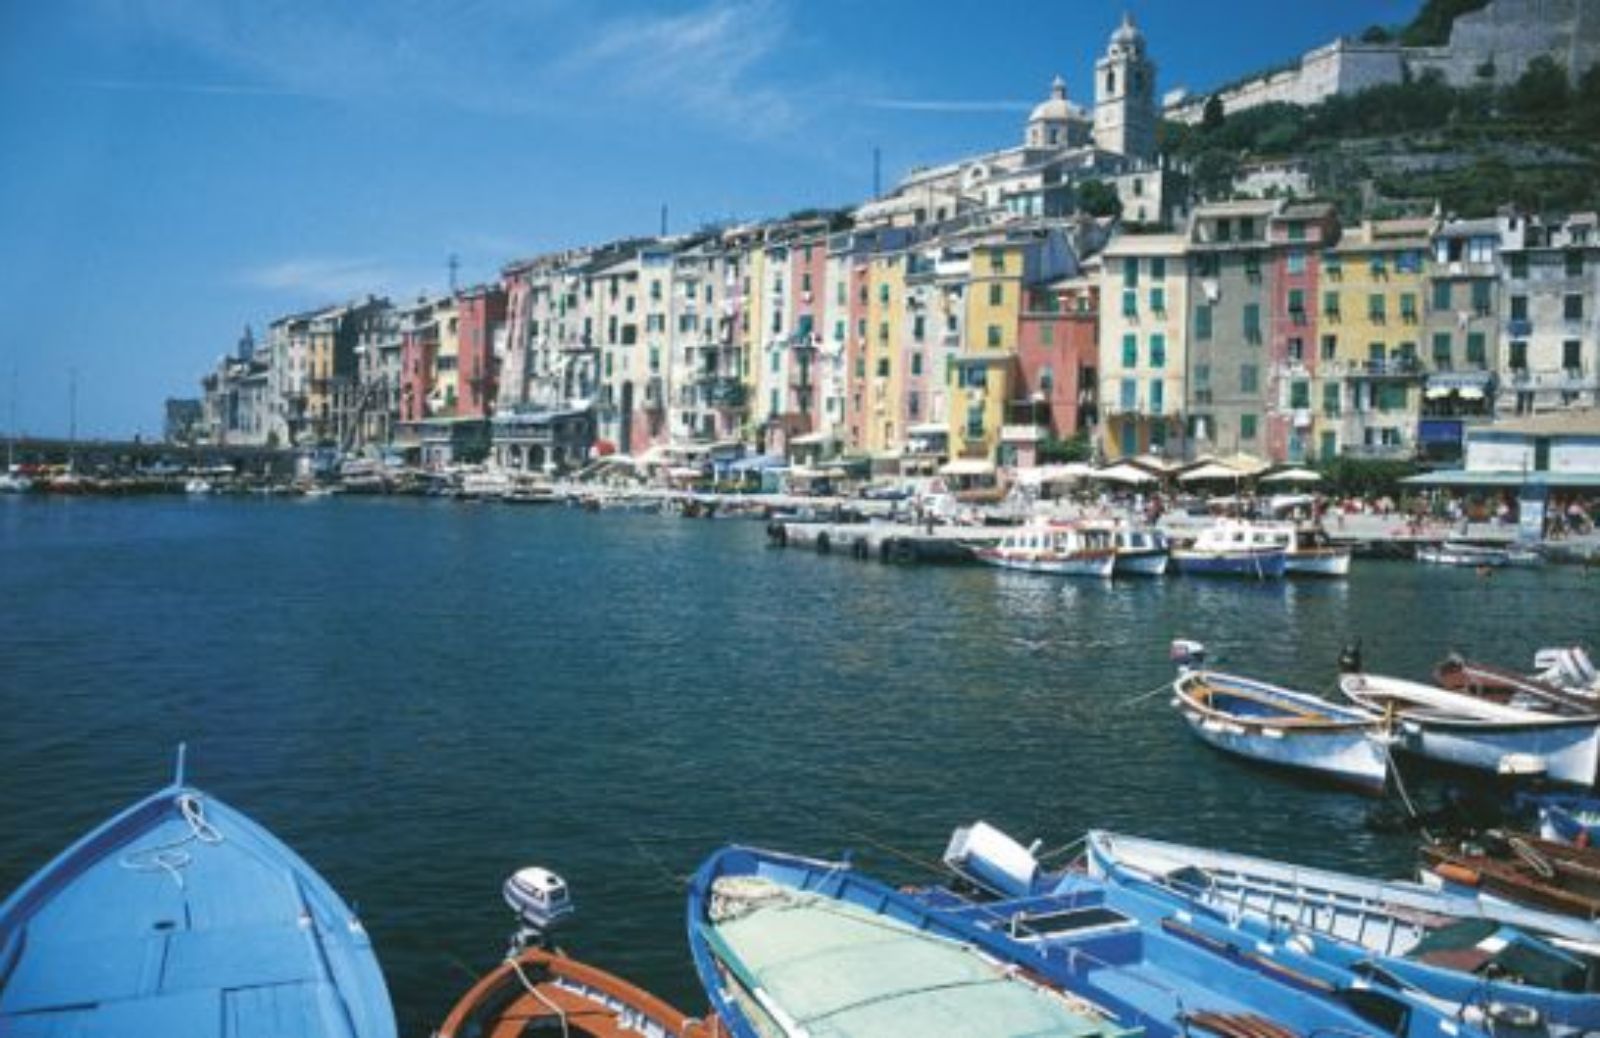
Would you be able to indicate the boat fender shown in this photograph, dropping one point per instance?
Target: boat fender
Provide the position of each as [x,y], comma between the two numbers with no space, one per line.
[1514,1014]
[860,550]
[824,544]
[905,552]
[1459,874]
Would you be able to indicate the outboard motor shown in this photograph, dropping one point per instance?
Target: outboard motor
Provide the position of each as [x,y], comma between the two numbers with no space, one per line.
[1186,654]
[541,900]
[1350,658]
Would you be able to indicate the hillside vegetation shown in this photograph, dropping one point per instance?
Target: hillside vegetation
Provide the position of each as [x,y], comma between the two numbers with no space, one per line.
[1398,147]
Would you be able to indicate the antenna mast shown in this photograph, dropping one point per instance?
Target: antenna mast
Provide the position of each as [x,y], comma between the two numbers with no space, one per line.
[454,264]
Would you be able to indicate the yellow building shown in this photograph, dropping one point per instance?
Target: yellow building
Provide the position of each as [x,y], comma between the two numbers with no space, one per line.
[447,369]
[985,370]
[1372,327]
[886,309]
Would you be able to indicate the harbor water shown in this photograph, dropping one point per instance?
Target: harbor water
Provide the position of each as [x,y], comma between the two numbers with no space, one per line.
[421,696]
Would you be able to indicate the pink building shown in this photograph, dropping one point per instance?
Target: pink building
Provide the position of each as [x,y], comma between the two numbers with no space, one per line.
[481,317]
[1298,235]
[856,395]
[1057,356]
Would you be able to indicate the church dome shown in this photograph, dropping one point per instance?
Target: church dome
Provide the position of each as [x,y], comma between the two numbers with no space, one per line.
[1056,109]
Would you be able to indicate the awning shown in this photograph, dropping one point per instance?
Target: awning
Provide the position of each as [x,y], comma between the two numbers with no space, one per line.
[1248,464]
[967,467]
[758,463]
[1458,380]
[811,439]
[1506,479]
[929,429]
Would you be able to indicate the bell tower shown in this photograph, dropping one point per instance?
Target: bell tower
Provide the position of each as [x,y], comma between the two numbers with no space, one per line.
[1124,96]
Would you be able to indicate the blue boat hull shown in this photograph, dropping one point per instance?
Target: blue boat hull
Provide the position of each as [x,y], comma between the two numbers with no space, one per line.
[181,916]
[1247,565]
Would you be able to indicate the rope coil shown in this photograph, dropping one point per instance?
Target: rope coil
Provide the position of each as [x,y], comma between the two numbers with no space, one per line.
[172,857]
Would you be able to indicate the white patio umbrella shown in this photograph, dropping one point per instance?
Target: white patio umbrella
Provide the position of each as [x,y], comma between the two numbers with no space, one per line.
[1211,470]
[1122,472]
[1293,476]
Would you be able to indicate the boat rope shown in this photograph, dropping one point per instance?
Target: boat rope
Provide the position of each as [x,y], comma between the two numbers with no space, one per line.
[516,967]
[1056,852]
[889,848]
[171,857]
[1165,686]
[1405,798]
[1531,857]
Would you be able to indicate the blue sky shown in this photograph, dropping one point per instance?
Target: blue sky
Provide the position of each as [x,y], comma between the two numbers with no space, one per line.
[170,171]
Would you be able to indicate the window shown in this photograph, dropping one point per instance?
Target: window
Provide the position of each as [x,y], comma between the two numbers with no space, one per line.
[1247,228]
[883,294]
[1297,230]
[1519,308]
[1330,398]
[839,295]
[1130,272]
[1130,394]
[1047,333]
[1441,350]
[1330,304]
[1378,266]
[975,421]
[1572,307]
[1202,376]
[1296,261]
[997,294]
[1332,265]
[655,290]
[1157,395]
[1574,264]
[1130,303]
[1252,266]
[1297,305]
[1158,300]
[883,367]
[1224,230]
[1300,395]
[1249,379]
[861,327]
[918,327]
[1408,307]
[994,335]
[1247,427]
[916,363]
[1158,351]
[1519,265]
[997,261]
[1572,356]
[1130,351]
[1377,308]
[1207,264]
[1441,295]
[1477,355]
[838,331]
[1252,322]
[1047,380]
[1158,268]
[1202,322]
[1391,396]
[1519,356]
[1297,351]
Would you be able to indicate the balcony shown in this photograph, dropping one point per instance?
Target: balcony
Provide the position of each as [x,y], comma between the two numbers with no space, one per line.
[1393,367]
[1380,451]
[719,391]
[1520,328]
[1558,380]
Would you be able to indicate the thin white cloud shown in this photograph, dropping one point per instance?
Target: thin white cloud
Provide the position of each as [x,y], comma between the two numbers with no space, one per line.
[179,87]
[706,61]
[899,104]
[320,277]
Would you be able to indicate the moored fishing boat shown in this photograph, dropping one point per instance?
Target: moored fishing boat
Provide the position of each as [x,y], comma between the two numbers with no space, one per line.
[1312,554]
[1568,667]
[538,991]
[1400,934]
[182,916]
[1464,730]
[1142,551]
[1060,549]
[1284,728]
[1523,870]
[790,946]
[1173,960]
[1502,685]
[1463,553]
[1232,548]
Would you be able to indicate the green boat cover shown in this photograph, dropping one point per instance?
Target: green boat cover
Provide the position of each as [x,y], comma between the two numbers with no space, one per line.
[838,971]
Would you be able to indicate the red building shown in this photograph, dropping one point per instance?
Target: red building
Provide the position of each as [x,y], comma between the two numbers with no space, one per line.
[481,314]
[419,358]
[1057,351]
[1298,236]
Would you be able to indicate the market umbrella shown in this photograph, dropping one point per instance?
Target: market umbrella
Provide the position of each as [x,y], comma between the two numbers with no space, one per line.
[1211,470]
[1122,472]
[1293,476]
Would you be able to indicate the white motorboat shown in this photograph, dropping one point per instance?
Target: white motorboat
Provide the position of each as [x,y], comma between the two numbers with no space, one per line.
[1472,732]
[1463,553]
[1062,549]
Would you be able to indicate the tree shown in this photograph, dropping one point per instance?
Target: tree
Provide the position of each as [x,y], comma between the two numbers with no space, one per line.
[1213,114]
[1377,34]
[1543,90]
[1431,27]
[1214,173]
[1097,198]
